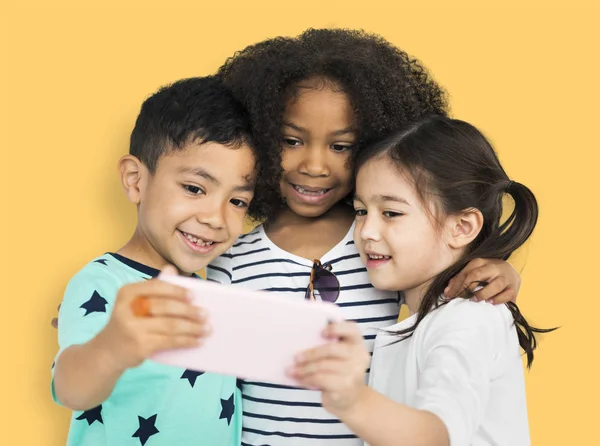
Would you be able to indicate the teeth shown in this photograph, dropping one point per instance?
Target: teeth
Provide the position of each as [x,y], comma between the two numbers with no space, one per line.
[378,257]
[309,192]
[198,242]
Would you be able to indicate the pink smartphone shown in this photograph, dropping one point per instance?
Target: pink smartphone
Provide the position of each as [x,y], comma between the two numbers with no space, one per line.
[255,334]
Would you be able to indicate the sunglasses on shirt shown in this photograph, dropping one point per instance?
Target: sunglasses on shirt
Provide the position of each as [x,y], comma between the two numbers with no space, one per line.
[323,283]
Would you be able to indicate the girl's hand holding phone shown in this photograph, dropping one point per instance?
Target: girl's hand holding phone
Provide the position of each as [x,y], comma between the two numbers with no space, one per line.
[337,369]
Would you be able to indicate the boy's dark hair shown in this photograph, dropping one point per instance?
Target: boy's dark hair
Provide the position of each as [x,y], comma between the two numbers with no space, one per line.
[199,110]
[452,163]
[387,88]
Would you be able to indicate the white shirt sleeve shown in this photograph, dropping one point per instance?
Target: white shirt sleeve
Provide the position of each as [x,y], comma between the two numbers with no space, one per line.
[456,360]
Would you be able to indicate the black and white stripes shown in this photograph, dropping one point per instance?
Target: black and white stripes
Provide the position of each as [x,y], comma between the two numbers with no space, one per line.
[277,415]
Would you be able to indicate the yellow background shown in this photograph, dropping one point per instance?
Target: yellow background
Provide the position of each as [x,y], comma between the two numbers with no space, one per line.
[73,78]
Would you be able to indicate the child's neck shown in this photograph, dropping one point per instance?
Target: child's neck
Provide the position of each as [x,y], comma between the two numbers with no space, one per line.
[139,249]
[310,237]
[414,296]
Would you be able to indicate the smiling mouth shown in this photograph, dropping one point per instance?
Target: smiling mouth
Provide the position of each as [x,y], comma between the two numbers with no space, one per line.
[310,191]
[198,240]
[378,257]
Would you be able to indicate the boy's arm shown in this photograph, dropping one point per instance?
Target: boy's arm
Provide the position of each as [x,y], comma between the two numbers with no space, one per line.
[96,352]
[85,375]
[83,367]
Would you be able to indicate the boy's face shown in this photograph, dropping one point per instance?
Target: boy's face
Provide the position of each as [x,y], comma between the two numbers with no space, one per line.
[192,208]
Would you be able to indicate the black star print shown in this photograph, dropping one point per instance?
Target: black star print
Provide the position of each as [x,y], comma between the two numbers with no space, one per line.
[92,415]
[146,429]
[103,261]
[227,409]
[191,376]
[96,304]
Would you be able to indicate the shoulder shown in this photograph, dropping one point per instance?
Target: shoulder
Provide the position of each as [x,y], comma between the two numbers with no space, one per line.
[469,314]
[104,274]
[249,240]
[89,299]
[467,322]
[100,269]
[246,243]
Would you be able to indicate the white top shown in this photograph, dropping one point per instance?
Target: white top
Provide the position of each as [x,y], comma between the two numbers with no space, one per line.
[462,363]
[280,416]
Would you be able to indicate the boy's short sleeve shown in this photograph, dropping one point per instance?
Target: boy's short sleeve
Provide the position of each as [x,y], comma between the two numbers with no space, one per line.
[221,269]
[86,307]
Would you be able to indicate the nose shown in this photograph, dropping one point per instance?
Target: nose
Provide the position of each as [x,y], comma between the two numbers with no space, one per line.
[314,161]
[368,228]
[212,212]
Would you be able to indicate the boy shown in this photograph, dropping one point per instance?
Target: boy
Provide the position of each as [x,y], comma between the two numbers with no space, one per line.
[190,172]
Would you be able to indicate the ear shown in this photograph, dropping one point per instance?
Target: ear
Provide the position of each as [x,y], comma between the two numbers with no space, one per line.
[464,227]
[133,177]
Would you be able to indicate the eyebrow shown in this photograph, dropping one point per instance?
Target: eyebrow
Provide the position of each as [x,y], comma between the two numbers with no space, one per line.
[382,198]
[199,171]
[246,187]
[203,173]
[346,131]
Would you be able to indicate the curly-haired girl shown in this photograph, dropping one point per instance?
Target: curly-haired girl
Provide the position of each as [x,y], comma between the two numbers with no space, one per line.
[315,102]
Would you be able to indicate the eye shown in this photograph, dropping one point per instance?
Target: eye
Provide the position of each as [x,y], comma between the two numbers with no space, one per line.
[341,147]
[360,212]
[392,214]
[194,190]
[239,203]
[290,142]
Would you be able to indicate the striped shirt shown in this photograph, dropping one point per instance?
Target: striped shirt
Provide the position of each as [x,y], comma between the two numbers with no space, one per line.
[276,415]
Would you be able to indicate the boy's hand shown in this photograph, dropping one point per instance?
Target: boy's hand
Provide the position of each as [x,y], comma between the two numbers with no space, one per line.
[171,322]
[501,281]
[337,369]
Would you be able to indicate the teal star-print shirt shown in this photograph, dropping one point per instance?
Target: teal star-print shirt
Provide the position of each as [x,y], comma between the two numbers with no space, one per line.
[153,404]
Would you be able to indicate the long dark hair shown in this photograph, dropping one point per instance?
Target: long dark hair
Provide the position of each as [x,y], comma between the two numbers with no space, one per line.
[452,161]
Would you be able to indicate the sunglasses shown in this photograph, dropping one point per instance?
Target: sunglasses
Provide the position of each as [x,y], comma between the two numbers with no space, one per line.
[323,283]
